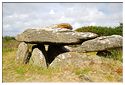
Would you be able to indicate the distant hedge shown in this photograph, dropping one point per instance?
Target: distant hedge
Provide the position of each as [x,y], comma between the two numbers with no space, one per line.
[102,31]
[8,38]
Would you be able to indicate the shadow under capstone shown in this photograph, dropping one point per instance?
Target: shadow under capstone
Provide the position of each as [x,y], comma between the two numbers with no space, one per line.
[50,54]
[104,53]
[54,51]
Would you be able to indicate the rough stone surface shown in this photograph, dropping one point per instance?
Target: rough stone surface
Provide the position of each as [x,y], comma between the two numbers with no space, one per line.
[51,36]
[22,53]
[89,67]
[38,58]
[72,58]
[100,44]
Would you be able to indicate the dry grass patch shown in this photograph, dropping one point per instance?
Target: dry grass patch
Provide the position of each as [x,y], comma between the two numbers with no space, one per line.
[93,69]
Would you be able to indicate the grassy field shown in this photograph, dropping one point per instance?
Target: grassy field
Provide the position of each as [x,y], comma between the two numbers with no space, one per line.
[110,70]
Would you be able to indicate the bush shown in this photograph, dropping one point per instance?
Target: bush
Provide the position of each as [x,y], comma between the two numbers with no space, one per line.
[7,38]
[102,31]
[9,44]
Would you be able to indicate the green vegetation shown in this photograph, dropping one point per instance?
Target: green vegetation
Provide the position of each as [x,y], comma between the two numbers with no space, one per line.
[116,54]
[109,70]
[15,72]
[82,71]
[9,44]
[106,31]
[7,38]
[103,31]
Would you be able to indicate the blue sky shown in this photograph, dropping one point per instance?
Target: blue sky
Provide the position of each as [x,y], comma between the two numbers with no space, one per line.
[19,16]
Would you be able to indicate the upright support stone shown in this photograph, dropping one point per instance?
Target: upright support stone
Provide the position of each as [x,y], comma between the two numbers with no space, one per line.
[38,57]
[22,53]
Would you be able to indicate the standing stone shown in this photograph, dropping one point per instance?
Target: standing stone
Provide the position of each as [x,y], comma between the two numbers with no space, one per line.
[22,53]
[38,57]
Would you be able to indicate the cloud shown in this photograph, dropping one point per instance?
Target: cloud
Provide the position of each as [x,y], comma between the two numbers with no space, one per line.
[19,16]
[92,24]
[66,19]
[51,11]
[76,25]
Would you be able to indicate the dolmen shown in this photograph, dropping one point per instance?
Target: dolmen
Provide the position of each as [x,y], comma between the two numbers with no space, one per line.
[48,42]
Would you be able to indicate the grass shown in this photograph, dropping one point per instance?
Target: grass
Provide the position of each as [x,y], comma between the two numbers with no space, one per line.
[109,77]
[116,54]
[82,71]
[110,69]
[15,72]
[20,70]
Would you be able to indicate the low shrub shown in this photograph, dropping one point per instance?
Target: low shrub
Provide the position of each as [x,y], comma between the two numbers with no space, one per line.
[102,31]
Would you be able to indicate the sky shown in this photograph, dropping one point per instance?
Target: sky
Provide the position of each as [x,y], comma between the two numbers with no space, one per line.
[17,17]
